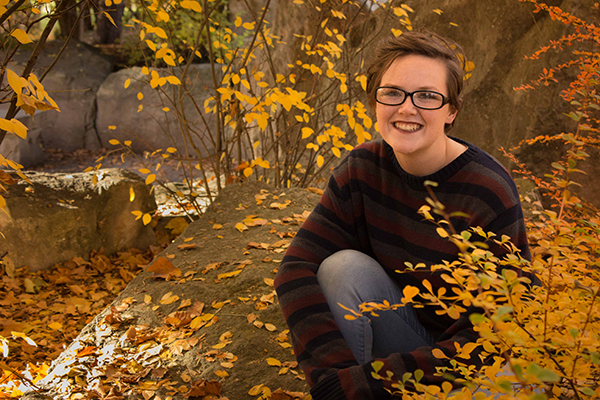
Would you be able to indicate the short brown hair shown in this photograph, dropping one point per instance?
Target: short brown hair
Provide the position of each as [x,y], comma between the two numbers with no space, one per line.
[425,44]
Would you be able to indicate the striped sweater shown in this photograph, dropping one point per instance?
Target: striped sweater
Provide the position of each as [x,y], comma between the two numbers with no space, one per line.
[371,205]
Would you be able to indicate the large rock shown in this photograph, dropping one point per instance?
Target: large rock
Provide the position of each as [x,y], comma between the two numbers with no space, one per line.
[61,216]
[205,310]
[72,83]
[152,128]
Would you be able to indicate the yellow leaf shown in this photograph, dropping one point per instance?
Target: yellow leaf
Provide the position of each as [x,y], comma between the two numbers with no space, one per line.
[147,299]
[221,374]
[217,226]
[248,25]
[437,353]
[306,132]
[138,214]
[220,345]
[320,161]
[256,390]
[140,96]
[21,36]
[409,292]
[270,327]
[2,202]
[127,83]
[169,60]
[238,22]
[171,150]
[442,232]
[192,5]
[127,143]
[162,16]
[438,11]
[150,178]
[169,298]
[336,152]
[273,362]
[131,194]
[55,326]
[19,129]
[229,274]
[241,227]
[146,219]
[112,21]
[145,70]
[15,81]
[197,323]
[6,125]
[247,172]
[173,80]
[112,127]
[114,142]
[159,32]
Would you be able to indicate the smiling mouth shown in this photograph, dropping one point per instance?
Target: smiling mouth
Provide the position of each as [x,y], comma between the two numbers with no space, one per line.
[408,127]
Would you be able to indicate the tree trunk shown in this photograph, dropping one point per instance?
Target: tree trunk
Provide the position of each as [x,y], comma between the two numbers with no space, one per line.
[108,33]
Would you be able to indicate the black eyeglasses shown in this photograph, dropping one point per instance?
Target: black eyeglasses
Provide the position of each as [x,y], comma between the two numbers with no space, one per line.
[424,99]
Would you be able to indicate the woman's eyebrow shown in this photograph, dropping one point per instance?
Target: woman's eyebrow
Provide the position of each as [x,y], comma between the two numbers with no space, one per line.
[427,88]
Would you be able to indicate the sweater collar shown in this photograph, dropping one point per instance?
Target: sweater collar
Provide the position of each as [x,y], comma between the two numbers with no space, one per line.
[441,176]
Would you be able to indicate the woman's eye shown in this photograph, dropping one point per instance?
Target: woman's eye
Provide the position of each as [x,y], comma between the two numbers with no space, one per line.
[392,93]
[428,96]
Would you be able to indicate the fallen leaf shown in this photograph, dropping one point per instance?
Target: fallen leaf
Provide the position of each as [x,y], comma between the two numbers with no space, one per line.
[269,281]
[163,268]
[270,327]
[187,246]
[221,374]
[229,274]
[55,326]
[169,298]
[273,362]
[241,227]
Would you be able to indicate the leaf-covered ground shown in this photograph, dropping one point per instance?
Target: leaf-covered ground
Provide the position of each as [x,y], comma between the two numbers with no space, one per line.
[200,322]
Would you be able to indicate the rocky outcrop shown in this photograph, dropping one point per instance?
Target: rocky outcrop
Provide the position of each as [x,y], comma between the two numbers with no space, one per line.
[151,127]
[60,216]
[72,83]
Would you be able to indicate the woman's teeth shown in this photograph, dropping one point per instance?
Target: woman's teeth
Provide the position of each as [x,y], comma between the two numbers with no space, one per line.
[406,126]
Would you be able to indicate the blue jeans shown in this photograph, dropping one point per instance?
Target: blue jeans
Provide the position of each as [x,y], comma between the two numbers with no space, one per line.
[351,278]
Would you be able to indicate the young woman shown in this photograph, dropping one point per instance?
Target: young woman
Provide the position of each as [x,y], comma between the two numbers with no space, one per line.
[366,226]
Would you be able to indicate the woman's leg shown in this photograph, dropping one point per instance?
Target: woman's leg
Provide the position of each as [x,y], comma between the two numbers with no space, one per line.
[351,278]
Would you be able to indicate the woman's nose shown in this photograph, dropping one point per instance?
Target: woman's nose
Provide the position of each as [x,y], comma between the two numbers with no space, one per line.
[407,107]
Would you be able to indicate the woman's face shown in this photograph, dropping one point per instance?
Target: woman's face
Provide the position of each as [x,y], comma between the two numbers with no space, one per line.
[413,132]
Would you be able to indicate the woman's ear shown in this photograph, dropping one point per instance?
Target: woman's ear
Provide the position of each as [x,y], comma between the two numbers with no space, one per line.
[452,112]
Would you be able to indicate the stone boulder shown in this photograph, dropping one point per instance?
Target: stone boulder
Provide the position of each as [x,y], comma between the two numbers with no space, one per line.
[204,313]
[72,83]
[152,128]
[61,216]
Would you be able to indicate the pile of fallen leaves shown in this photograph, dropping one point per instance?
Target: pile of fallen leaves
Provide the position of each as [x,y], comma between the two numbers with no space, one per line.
[42,312]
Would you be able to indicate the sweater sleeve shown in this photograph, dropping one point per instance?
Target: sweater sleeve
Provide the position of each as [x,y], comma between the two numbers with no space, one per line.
[318,343]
